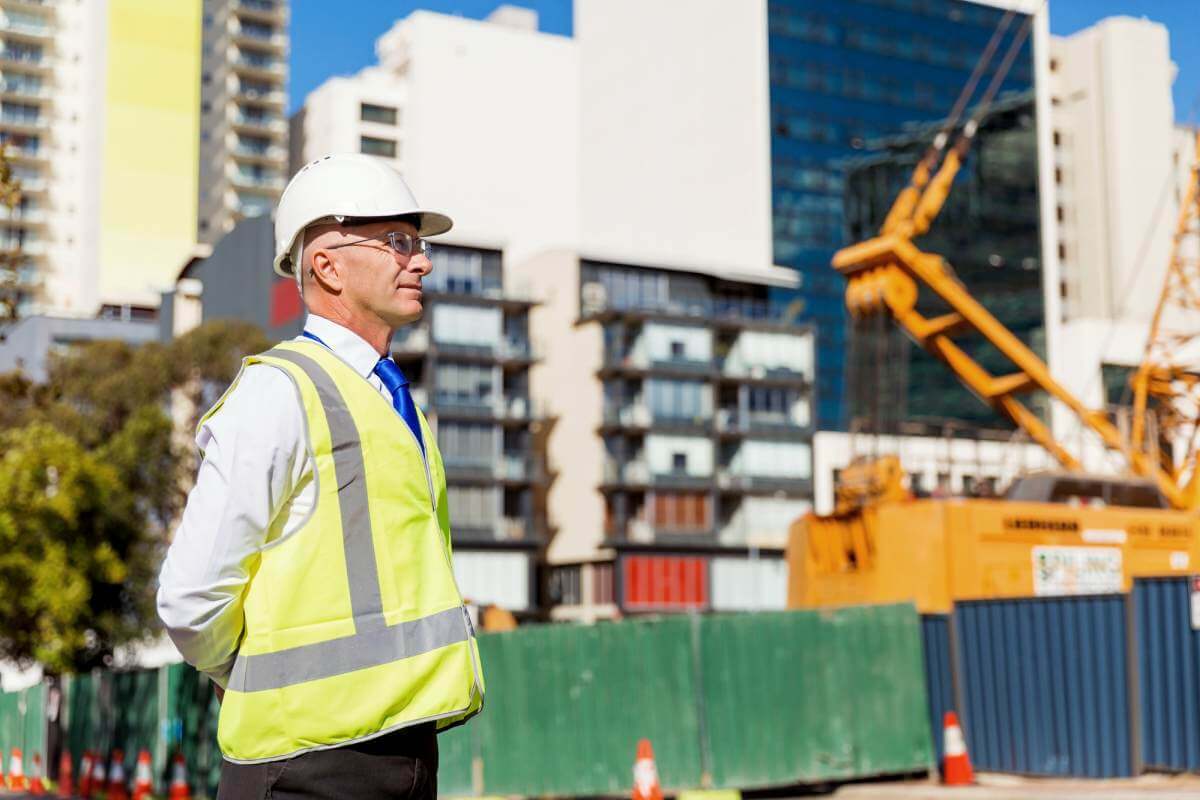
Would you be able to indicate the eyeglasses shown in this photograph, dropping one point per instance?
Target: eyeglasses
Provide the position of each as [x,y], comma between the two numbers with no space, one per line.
[401,243]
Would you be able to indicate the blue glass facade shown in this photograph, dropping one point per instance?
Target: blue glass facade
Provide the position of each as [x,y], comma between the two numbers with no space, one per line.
[842,75]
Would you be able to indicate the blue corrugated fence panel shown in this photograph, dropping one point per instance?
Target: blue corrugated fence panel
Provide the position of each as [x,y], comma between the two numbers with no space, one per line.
[1045,683]
[939,681]
[1168,658]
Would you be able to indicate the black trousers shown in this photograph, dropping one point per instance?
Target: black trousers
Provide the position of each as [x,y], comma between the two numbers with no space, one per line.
[401,765]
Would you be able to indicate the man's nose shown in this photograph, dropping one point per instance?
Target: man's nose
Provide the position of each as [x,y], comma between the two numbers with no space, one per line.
[420,263]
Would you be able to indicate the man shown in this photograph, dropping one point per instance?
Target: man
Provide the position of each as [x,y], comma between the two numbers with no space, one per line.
[310,576]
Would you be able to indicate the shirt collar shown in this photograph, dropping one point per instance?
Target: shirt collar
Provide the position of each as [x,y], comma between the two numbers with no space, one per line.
[345,344]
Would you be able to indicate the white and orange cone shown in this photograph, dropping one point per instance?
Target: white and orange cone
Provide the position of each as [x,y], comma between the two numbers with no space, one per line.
[179,783]
[99,775]
[645,774]
[117,790]
[956,766]
[87,763]
[143,780]
[37,784]
[16,772]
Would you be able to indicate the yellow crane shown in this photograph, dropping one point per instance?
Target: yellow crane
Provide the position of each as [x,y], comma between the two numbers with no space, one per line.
[880,545]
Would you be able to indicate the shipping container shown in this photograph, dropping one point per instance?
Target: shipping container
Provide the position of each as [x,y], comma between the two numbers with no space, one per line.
[1046,687]
[1168,672]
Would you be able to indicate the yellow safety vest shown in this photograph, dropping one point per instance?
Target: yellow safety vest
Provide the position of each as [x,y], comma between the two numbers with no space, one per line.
[354,625]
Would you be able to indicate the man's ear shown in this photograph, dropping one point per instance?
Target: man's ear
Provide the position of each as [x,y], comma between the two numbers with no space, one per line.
[325,270]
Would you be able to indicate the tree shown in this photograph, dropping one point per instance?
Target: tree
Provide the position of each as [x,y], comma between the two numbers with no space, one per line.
[93,471]
[73,553]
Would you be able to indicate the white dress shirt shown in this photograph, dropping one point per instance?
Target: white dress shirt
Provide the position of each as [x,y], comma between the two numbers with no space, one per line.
[255,484]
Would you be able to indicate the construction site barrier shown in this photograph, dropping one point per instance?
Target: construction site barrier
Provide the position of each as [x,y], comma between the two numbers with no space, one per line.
[733,701]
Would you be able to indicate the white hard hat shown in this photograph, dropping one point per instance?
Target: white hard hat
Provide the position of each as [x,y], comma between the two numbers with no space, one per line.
[349,185]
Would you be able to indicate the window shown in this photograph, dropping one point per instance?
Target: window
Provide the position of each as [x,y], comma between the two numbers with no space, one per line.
[679,462]
[373,146]
[678,351]
[675,399]
[467,444]
[1057,138]
[680,512]
[465,384]
[381,114]
[1061,214]
[1062,251]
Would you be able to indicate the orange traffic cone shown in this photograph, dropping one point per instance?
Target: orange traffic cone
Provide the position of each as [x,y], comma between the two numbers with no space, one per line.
[645,773]
[16,772]
[956,767]
[66,782]
[143,781]
[179,783]
[36,785]
[99,775]
[117,790]
[86,764]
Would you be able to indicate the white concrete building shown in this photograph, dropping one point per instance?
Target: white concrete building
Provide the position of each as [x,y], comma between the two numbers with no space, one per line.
[442,105]
[244,131]
[1121,164]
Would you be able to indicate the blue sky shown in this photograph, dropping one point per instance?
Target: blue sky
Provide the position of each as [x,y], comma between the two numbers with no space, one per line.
[339,38]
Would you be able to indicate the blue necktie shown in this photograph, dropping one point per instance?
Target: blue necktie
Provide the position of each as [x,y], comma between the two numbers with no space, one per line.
[402,399]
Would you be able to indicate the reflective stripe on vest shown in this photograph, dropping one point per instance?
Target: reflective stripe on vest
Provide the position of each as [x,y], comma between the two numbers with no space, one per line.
[374,642]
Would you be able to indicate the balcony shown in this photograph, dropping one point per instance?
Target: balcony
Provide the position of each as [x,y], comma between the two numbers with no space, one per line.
[466,408]
[26,27]
[258,66]
[736,480]
[729,421]
[250,35]
[260,124]
[260,155]
[738,371]
[273,97]
[267,10]
[666,366]
[15,89]
[637,473]
[410,340]
[262,183]
[25,59]
[28,217]
[24,122]
[505,529]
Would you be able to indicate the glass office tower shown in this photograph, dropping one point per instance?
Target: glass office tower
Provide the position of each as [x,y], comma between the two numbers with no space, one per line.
[844,76]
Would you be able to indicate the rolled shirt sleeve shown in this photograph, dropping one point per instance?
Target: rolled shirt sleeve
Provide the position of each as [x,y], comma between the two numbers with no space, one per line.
[255,457]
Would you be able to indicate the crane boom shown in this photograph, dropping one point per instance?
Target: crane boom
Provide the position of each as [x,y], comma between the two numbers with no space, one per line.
[884,275]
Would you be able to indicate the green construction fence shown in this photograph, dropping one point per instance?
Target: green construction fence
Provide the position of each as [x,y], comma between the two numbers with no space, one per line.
[728,701]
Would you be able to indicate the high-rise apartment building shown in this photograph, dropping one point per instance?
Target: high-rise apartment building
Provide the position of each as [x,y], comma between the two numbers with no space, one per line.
[244,131]
[137,128]
[100,114]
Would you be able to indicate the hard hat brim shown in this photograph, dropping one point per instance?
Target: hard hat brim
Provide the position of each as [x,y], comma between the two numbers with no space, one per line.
[432,224]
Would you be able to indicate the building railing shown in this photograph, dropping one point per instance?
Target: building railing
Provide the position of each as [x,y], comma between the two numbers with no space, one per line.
[721,309]
[480,408]
[272,65]
[24,88]
[411,338]
[273,153]
[27,27]
[261,121]
[267,6]
[757,422]
[258,181]
[24,57]
[27,120]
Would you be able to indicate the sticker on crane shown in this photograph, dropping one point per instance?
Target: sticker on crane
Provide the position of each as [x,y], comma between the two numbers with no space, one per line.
[1195,598]
[1104,536]
[1076,570]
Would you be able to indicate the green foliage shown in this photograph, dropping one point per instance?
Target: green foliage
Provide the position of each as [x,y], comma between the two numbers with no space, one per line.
[93,472]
